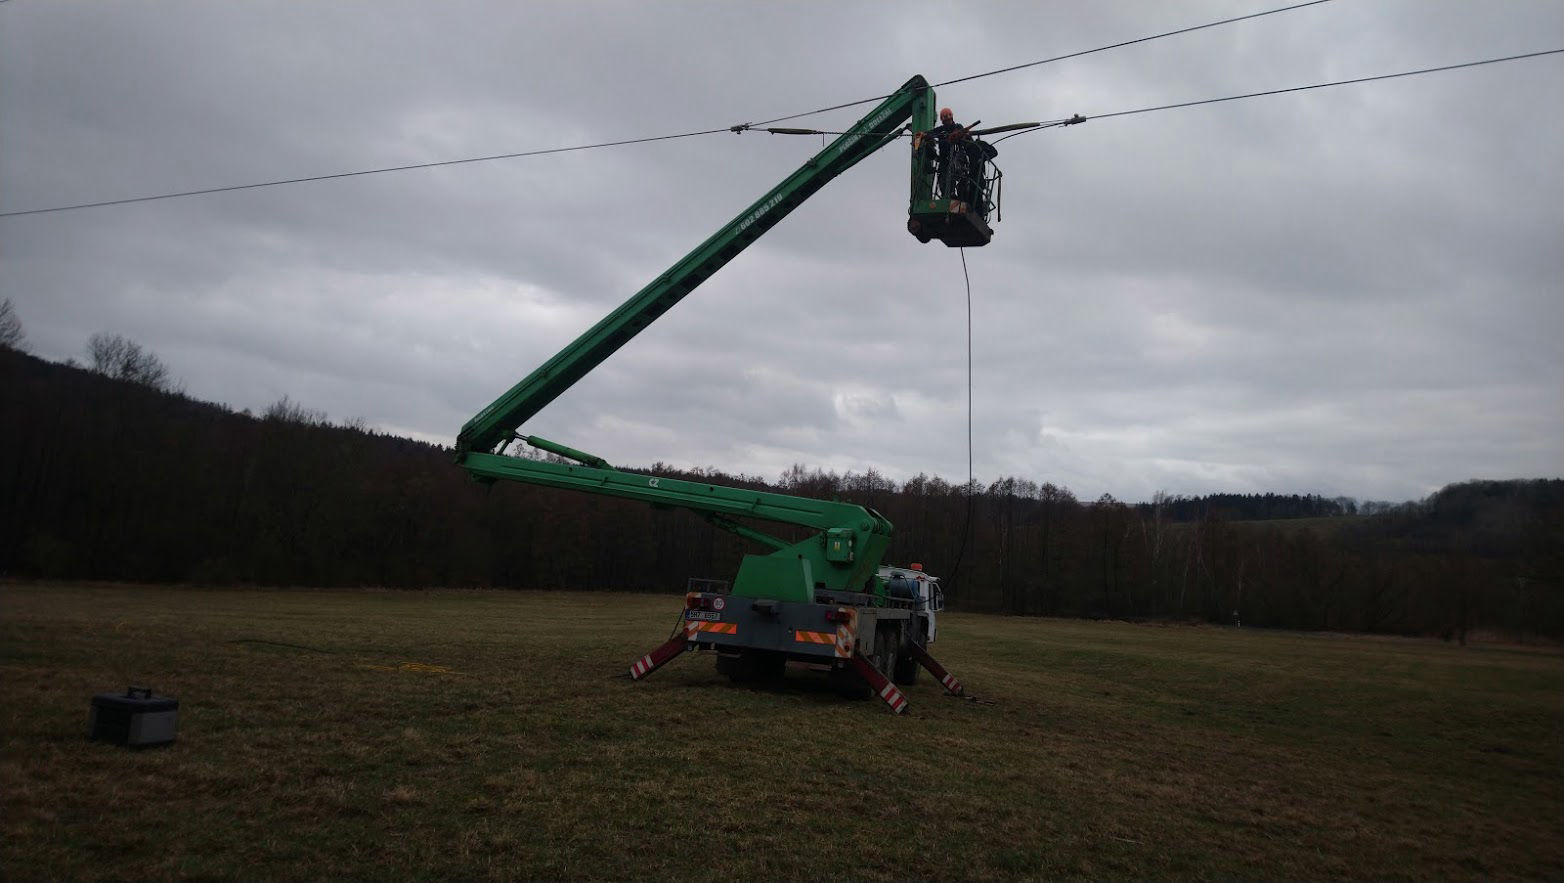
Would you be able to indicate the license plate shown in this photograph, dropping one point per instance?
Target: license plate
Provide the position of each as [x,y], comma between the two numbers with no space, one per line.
[708,615]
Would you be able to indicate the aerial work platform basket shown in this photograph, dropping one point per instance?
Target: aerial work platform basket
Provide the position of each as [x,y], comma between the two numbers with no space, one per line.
[955,190]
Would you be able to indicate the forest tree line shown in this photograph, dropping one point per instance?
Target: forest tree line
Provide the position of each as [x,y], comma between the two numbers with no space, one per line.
[112,477]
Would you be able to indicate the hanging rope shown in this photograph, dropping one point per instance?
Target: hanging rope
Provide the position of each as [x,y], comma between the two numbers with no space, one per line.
[966,526]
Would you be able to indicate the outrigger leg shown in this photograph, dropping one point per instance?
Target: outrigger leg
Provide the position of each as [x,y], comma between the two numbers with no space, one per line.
[882,685]
[952,685]
[657,658]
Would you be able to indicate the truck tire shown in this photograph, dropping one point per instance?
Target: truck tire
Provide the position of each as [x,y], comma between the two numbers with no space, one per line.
[906,673]
[849,684]
[887,650]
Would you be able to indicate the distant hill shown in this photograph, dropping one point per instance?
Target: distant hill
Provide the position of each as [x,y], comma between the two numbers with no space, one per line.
[108,480]
[1255,507]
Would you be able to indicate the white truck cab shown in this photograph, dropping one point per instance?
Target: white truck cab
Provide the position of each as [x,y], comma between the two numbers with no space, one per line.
[911,583]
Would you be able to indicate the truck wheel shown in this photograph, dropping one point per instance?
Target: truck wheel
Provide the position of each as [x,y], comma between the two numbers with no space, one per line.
[907,666]
[886,657]
[849,684]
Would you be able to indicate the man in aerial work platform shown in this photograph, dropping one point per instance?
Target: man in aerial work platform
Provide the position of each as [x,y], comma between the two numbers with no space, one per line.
[944,137]
[959,161]
[947,126]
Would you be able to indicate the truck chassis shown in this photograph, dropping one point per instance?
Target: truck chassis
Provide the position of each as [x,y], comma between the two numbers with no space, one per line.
[867,649]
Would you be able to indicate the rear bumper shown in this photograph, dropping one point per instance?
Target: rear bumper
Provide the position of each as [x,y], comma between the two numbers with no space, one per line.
[808,632]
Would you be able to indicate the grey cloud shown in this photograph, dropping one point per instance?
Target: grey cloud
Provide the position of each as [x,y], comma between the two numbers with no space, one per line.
[1351,290]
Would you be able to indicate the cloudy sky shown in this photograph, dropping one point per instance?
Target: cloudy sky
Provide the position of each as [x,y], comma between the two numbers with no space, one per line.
[1346,291]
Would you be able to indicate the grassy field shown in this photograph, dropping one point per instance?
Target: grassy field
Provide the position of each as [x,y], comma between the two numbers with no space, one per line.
[493,735]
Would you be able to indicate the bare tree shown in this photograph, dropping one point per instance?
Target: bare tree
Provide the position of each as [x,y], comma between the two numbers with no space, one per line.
[117,356]
[11,335]
[286,410]
[1152,539]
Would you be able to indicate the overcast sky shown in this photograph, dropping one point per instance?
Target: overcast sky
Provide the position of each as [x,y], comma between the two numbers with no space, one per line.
[1347,291]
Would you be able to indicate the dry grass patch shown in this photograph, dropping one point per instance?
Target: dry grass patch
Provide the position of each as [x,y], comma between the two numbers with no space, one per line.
[493,735]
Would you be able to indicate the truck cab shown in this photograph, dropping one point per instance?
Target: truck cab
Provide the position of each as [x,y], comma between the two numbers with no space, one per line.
[910,583]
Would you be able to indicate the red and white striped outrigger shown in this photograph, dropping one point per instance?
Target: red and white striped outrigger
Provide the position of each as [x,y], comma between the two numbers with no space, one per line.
[946,679]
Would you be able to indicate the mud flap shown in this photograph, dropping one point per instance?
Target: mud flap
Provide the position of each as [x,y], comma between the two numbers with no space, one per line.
[881,684]
[952,685]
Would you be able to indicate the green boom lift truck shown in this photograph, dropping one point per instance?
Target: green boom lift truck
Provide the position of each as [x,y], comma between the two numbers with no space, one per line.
[825,601]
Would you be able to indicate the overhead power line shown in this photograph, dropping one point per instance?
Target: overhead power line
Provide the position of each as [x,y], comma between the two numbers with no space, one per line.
[1225,21]
[1076,119]
[425,165]
[1016,67]
[526,153]
[1427,70]
[1064,121]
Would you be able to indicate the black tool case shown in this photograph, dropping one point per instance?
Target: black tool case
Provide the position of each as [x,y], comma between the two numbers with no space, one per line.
[135,718]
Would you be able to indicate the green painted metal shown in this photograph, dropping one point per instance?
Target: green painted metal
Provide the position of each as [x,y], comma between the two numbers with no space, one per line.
[496,424]
[775,577]
[923,119]
[845,553]
[865,533]
[565,451]
[745,531]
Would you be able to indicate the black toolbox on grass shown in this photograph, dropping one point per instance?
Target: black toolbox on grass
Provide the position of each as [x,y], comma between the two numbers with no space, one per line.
[135,718]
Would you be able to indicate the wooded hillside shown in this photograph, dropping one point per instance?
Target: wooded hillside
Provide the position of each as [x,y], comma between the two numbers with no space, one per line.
[107,479]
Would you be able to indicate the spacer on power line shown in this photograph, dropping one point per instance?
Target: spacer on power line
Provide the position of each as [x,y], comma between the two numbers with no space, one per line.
[741,128]
[1075,120]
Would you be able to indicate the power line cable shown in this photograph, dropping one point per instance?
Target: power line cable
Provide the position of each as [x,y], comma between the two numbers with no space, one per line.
[453,162]
[1016,67]
[1078,118]
[427,165]
[1046,125]
[1225,21]
[1123,113]
[1426,70]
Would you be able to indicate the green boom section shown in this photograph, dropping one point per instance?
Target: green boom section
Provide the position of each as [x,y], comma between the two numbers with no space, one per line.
[496,424]
[844,556]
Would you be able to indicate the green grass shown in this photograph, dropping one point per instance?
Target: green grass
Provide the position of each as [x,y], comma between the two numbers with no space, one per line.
[493,735]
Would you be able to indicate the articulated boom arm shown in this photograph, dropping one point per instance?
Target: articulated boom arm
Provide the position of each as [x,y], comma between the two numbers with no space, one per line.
[496,424]
[842,557]
[845,554]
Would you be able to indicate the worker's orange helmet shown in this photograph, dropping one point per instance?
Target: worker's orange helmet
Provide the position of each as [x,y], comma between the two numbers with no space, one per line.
[945,113]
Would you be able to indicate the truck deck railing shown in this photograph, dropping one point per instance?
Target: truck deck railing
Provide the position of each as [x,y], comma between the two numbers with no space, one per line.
[708,586]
